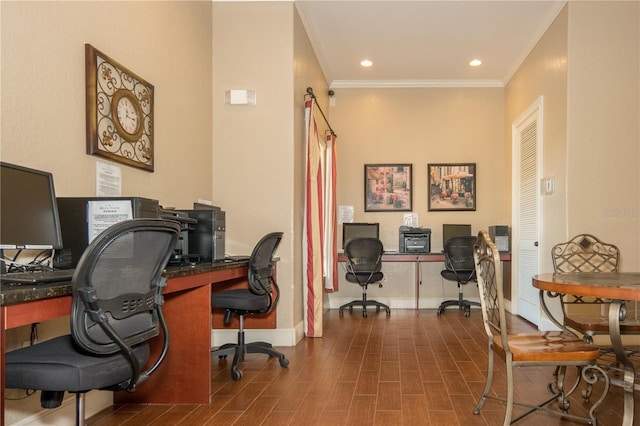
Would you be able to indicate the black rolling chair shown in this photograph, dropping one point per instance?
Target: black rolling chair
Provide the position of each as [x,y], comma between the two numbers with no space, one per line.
[364,265]
[257,299]
[459,268]
[117,306]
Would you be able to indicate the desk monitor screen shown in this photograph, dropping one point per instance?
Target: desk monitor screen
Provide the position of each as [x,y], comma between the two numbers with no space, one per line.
[28,209]
[450,231]
[359,230]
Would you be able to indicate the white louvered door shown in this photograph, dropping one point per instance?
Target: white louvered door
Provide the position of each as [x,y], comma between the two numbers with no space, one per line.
[527,143]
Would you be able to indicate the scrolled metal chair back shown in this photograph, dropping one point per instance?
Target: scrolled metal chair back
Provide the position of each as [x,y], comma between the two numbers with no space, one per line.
[489,275]
[585,253]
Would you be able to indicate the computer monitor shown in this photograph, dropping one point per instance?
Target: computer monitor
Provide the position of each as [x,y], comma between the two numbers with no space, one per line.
[359,230]
[455,230]
[28,209]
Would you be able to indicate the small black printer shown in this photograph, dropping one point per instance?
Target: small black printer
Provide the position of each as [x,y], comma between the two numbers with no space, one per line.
[414,240]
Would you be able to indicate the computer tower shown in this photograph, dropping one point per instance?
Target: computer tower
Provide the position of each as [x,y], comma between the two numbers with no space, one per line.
[79,214]
[208,234]
[500,236]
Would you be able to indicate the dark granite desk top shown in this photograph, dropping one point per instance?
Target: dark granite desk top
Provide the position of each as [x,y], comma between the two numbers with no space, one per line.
[12,294]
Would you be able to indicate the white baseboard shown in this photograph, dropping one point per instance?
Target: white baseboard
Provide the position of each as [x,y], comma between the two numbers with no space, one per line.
[399,303]
[95,401]
[284,337]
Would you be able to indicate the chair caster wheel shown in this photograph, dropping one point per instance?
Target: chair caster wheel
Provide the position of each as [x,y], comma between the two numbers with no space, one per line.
[284,363]
[222,357]
[236,374]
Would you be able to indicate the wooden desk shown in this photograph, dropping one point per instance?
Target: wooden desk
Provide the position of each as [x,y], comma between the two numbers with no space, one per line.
[185,375]
[617,287]
[418,258]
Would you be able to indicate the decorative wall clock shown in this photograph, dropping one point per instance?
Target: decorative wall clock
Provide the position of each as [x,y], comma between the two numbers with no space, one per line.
[119,112]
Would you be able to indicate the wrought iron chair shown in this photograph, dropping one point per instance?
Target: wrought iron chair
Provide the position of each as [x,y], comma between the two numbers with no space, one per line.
[528,349]
[588,316]
[364,267]
[459,268]
[116,308]
[258,298]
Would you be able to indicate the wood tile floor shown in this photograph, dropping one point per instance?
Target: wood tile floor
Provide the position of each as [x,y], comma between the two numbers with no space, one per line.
[404,369]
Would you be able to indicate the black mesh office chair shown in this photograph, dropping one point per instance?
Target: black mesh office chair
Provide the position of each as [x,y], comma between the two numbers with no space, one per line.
[364,265]
[116,308]
[257,299]
[459,268]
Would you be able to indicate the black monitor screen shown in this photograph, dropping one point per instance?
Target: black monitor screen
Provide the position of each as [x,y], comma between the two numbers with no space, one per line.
[359,230]
[455,230]
[28,209]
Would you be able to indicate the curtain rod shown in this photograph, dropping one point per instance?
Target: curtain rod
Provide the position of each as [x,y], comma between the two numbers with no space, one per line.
[313,96]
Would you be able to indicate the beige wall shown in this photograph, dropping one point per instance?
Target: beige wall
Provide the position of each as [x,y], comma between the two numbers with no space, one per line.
[586,67]
[419,126]
[43,90]
[544,73]
[603,137]
[43,105]
[258,158]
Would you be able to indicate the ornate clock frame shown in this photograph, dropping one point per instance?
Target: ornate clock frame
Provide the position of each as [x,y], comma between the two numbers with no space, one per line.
[106,83]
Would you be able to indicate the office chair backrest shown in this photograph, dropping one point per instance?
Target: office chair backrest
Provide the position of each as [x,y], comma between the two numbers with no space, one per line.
[117,285]
[585,253]
[458,253]
[364,255]
[260,267]
[489,274]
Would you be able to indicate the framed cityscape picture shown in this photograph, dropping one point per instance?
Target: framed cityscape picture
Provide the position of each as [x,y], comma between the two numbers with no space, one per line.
[452,186]
[387,187]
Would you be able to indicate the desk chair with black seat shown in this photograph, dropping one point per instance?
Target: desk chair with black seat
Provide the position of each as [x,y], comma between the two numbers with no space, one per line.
[364,267]
[258,299]
[116,308]
[459,268]
[533,349]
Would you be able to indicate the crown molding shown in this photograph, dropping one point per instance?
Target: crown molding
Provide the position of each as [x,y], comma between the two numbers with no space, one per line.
[392,84]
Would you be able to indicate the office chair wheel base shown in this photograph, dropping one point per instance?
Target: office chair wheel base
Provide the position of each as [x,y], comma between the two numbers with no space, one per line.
[236,374]
[284,363]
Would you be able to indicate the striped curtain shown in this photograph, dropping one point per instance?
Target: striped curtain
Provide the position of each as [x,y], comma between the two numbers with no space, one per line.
[319,248]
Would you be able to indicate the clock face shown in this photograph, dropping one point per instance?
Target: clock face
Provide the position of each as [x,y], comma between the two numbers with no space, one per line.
[127,115]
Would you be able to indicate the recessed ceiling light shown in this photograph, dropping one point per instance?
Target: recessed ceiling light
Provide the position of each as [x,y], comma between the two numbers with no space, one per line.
[366,63]
[475,63]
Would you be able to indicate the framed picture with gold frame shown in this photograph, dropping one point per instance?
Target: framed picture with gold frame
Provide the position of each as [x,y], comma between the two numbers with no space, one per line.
[119,112]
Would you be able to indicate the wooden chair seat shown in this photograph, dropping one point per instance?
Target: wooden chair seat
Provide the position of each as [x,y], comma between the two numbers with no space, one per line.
[600,325]
[547,347]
